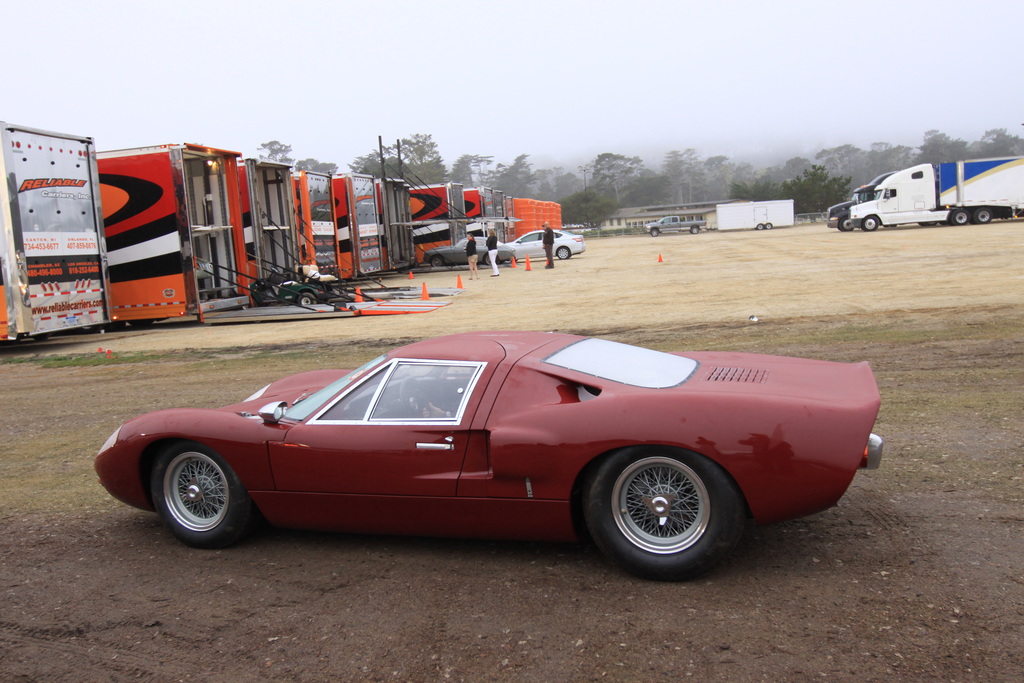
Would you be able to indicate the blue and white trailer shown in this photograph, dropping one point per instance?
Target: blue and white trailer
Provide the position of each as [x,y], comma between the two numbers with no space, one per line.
[954,193]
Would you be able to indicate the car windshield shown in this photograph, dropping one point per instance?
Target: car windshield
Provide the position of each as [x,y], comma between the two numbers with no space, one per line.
[305,407]
[624,363]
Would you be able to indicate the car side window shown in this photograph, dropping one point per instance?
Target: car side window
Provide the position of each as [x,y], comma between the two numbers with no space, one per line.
[353,405]
[531,238]
[409,391]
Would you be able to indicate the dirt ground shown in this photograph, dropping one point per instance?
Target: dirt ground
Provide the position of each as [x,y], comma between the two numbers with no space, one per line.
[916,575]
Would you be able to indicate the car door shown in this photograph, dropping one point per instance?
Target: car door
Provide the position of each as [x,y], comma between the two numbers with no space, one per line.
[403,431]
[529,245]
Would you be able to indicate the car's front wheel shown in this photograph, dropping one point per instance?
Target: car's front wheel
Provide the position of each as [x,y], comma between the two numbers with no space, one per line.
[200,497]
[437,261]
[663,513]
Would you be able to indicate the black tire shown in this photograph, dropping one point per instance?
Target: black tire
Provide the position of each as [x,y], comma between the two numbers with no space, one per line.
[677,542]
[200,497]
[694,229]
[959,217]
[768,226]
[306,299]
[760,226]
[870,224]
[982,215]
[563,253]
[844,225]
[141,324]
[654,232]
[437,261]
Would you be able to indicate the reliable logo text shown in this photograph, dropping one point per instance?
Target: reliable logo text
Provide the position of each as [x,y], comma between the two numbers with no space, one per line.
[41,183]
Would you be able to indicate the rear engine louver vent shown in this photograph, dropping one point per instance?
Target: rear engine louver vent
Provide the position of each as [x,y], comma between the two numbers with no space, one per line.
[737,375]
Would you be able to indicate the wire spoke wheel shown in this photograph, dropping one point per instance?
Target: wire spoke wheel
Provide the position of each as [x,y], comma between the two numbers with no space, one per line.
[661,505]
[196,491]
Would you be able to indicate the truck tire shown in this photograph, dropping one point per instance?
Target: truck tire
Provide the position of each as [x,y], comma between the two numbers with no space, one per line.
[694,229]
[959,217]
[655,232]
[870,224]
[981,215]
[844,225]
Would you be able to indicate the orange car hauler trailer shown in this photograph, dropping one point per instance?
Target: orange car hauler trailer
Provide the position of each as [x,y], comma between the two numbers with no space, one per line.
[173,229]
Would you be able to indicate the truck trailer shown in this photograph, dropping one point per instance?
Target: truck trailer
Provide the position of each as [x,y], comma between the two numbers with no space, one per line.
[754,215]
[173,232]
[314,217]
[52,272]
[955,193]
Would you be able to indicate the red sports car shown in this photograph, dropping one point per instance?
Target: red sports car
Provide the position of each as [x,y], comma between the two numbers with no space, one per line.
[658,457]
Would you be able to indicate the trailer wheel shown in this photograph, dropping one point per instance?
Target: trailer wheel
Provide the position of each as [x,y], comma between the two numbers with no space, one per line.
[982,215]
[870,224]
[768,226]
[694,229]
[959,217]
[759,226]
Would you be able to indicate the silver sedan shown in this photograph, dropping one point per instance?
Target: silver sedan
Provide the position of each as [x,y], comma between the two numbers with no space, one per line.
[530,244]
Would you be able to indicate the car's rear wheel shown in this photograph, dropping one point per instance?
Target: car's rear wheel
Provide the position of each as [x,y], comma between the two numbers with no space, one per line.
[563,252]
[694,229]
[663,513]
[200,497]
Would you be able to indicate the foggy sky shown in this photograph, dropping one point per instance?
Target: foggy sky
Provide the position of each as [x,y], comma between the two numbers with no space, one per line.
[560,80]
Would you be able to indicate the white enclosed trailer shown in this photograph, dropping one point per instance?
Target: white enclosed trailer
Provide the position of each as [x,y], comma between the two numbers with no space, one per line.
[754,215]
[52,259]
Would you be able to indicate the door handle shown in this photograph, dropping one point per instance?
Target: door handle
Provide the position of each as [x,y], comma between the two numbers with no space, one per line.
[448,445]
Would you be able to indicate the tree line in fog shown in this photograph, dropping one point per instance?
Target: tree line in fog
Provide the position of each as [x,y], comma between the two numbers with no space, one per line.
[612,180]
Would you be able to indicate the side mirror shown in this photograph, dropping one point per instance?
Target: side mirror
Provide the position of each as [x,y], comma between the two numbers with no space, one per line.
[273,412]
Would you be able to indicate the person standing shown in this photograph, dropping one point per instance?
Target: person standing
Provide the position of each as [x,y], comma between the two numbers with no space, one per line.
[471,256]
[549,245]
[492,251]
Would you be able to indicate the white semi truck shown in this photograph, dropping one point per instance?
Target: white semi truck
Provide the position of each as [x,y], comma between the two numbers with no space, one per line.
[52,259]
[956,193]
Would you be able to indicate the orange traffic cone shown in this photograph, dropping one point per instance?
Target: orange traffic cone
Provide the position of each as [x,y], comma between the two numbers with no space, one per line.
[458,282]
[660,260]
[410,276]
[425,296]
[359,295]
[528,262]
[514,262]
